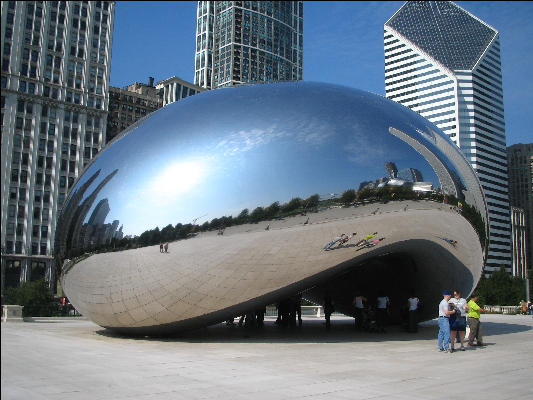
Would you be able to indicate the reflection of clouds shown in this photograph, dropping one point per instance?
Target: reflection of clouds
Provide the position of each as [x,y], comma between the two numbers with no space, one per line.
[313,131]
[363,149]
[245,140]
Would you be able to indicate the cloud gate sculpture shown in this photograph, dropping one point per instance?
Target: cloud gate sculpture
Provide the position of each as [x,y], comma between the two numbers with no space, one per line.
[245,188]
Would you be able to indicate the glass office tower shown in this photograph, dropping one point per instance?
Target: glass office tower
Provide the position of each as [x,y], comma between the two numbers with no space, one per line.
[239,42]
[444,63]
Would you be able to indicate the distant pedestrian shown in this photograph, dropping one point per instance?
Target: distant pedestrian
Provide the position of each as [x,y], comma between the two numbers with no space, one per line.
[443,339]
[523,306]
[298,305]
[260,316]
[359,303]
[161,247]
[328,310]
[474,315]
[382,305]
[166,247]
[412,304]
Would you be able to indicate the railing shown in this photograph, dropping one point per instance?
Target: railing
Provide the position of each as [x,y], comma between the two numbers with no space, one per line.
[503,309]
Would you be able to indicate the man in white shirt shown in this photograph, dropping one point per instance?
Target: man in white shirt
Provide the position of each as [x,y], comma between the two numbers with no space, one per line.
[444,323]
[358,302]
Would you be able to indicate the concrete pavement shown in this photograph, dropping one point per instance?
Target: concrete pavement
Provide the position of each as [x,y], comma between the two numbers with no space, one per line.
[76,359]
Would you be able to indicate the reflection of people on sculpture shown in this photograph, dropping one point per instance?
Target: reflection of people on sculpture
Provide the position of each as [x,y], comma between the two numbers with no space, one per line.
[166,247]
[267,227]
[366,239]
[161,247]
[370,244]
[452,242]
[221,231]
[335,240]
[343,241]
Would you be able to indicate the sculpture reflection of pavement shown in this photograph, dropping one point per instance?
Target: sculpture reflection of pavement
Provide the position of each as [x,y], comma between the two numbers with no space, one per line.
[450,241]
[249,266]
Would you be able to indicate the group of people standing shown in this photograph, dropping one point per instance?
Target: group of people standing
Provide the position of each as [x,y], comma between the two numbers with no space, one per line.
[371,318]
[163,248]
[454,314]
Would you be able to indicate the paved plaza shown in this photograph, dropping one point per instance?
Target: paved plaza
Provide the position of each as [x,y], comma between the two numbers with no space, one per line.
[75,359]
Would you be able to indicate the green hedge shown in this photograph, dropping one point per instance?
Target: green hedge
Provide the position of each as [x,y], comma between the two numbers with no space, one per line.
[36,298]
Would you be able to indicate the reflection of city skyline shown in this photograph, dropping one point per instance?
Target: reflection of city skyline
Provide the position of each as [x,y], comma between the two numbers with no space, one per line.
[450,182]
[80,235]
[409,177]
[177,176]
[96,232]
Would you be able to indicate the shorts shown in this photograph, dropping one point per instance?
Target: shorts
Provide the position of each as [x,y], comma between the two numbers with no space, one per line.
[458,324]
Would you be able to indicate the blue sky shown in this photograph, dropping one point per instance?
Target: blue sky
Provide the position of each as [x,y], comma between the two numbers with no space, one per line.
[343,44]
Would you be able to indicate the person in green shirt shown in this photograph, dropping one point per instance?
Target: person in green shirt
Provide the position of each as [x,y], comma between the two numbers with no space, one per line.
[474,313]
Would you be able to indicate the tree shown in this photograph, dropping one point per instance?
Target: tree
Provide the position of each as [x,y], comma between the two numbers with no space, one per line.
[312,201]
[242,218]
[167,233]
[365,193]
[257,214]
[501,289]
[36,298]
[272,210]
[215,223]
[348,197]
[292,205]
[227,221]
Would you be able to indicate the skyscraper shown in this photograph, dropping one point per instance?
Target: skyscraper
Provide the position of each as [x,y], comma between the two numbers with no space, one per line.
[444,63]
[55,78]
[520,159]
[248,42]
[129,104]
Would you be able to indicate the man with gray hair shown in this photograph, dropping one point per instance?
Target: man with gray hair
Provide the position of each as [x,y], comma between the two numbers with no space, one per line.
[444,323]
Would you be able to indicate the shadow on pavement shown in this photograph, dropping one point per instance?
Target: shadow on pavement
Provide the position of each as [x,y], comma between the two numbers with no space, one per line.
[312,331]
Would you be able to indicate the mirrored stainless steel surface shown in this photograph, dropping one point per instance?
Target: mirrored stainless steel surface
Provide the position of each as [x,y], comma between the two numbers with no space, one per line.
[248,185]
